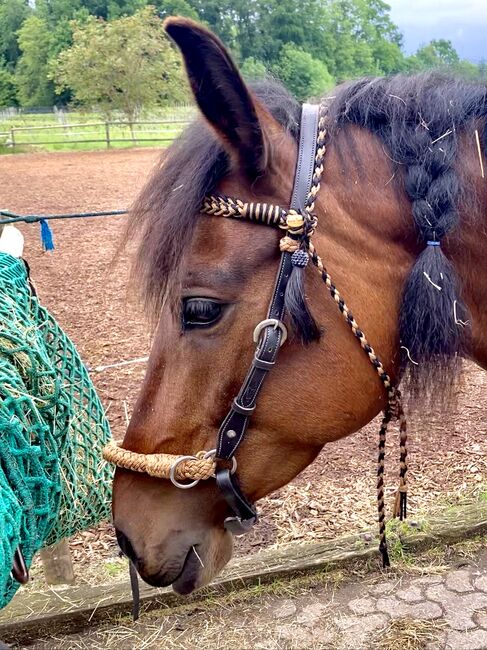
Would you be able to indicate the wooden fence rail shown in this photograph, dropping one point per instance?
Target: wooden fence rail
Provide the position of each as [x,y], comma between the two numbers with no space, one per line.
[15,136]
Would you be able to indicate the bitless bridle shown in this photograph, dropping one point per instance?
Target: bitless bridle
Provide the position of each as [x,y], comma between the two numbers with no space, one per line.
[299,223]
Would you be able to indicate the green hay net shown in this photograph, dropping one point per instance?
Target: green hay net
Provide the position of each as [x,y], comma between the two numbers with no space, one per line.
[53,480]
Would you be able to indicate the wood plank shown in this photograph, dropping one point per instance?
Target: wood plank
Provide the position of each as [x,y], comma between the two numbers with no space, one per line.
[78,606]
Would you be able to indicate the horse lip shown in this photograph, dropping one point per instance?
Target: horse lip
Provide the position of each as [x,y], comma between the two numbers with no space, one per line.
[187,579]
[183,582]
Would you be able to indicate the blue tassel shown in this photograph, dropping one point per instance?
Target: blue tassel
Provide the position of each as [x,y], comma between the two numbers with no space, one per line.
[46,236]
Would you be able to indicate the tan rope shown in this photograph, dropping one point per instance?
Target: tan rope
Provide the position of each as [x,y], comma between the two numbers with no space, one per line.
[159,465]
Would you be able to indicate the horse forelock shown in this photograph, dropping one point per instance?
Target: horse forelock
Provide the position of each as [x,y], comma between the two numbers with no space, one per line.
[164,215]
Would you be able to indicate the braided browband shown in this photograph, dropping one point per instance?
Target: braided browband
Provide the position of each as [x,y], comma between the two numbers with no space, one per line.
[299,225]
[267,214]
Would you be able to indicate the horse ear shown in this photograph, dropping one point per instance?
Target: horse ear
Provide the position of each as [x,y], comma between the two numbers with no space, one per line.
[221,93]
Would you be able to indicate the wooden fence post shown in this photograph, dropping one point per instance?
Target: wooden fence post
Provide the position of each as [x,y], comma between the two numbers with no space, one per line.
[12,137]
[107,133]
[57,564]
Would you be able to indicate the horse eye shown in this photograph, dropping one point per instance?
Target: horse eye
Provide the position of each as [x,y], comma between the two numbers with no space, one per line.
[200,312]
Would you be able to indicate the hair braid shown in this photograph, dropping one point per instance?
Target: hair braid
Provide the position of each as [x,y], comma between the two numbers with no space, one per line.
[430,330]
[418,119]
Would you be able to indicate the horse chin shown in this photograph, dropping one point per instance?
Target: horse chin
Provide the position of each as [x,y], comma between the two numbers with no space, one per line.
[198,567]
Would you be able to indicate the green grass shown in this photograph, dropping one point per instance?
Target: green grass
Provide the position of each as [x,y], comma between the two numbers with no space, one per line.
[89,132]
[115,567]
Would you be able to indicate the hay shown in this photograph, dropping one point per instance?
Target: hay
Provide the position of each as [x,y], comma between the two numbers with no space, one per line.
[409,634]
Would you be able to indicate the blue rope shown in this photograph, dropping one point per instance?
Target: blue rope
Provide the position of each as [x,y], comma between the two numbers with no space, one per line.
[34,218]
[46,236]
[46,232]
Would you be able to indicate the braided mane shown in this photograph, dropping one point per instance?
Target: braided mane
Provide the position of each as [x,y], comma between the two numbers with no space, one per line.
[419,119]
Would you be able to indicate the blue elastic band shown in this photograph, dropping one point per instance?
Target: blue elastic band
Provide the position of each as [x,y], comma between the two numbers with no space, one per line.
[432,243]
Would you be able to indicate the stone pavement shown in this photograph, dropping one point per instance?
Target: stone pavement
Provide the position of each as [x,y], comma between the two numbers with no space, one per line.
[455,603]
[411,607]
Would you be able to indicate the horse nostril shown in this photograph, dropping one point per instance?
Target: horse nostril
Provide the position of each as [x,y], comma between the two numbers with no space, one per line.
[125,545]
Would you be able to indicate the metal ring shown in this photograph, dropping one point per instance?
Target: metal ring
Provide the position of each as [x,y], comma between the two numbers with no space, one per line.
[267,323]
[212,454]
[172,473]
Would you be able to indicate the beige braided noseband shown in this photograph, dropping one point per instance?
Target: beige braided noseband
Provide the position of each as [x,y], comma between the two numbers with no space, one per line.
[299,228]
[174,467]
[197,468]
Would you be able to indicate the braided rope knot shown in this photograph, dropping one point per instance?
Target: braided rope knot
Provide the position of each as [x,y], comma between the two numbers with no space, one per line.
[299,227]
[300,258]
[310,224]
[289,245]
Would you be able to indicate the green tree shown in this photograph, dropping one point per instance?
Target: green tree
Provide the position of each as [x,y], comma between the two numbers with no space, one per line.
[123,65]
[304,76]
[351,38]
[167,8]
[12,15]
[55,11]
[286,21]
[225,18]
[441,55]
[7,86]
[119,8]
[376,27]
[437,54]
[33,86]
[253,69]
[482,69]
[348,52]
[467,70]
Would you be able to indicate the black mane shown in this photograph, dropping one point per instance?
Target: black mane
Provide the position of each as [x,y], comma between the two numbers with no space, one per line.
[418,118]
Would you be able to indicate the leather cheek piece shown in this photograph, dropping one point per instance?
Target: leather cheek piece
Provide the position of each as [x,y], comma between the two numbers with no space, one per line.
[234,426]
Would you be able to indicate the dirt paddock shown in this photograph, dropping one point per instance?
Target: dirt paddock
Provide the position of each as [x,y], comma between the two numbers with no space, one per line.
[448,456]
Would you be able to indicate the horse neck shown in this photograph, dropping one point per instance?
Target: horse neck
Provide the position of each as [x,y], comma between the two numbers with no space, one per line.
[363,225]
[467,247]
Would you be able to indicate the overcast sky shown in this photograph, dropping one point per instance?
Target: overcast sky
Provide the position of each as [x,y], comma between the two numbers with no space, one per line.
[464,22]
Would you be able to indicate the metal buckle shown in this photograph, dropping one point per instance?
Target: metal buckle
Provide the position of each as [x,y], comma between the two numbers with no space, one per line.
[267,323]
[238,526]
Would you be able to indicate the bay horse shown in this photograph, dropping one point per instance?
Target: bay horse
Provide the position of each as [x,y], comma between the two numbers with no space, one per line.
[401,226]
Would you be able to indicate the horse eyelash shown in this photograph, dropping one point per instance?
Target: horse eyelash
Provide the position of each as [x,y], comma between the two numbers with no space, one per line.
[194,307]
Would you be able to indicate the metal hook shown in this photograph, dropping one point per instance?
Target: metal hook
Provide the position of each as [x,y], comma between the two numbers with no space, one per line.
[19,572]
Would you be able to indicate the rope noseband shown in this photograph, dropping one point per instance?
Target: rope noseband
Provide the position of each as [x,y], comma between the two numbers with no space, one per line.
[299,224]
